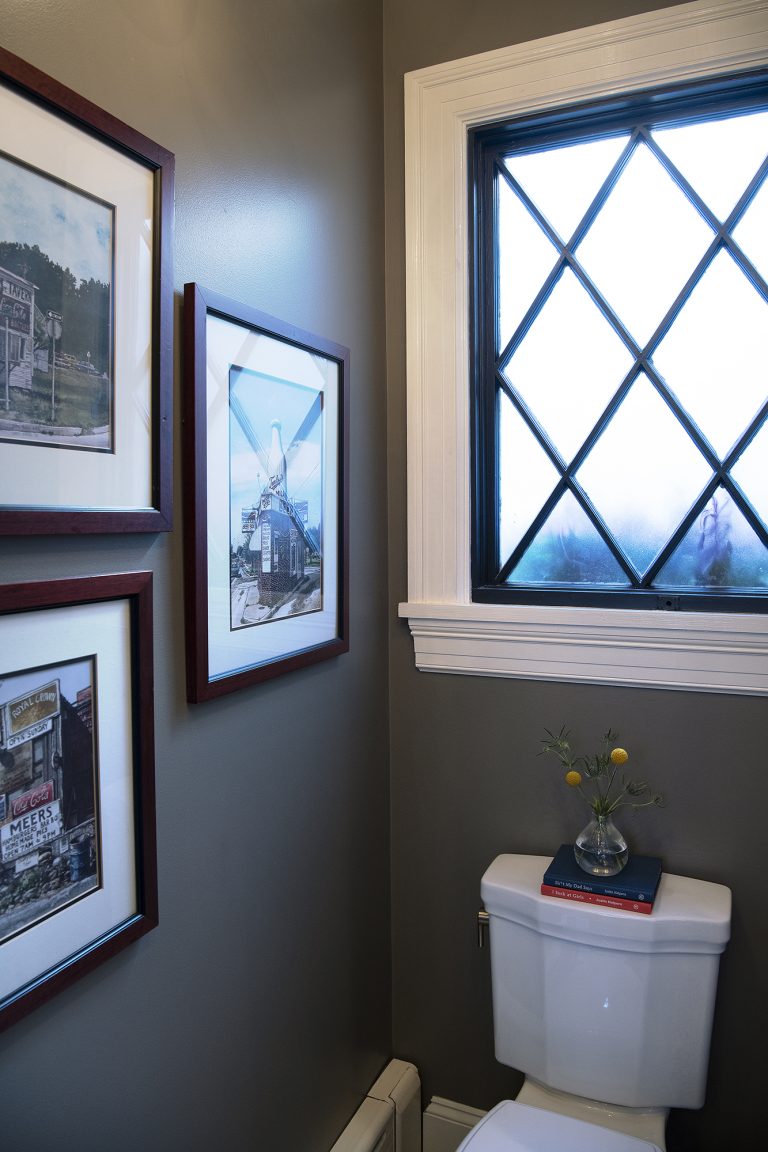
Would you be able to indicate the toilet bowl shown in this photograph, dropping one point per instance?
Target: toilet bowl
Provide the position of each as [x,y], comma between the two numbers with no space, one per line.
[515,1127]
[608,1013]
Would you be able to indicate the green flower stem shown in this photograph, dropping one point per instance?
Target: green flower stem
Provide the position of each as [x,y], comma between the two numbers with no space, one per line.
[595,768]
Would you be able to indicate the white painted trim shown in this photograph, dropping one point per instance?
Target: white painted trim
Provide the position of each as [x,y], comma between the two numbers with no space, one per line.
[447,1123]
[686,651]
[718,654]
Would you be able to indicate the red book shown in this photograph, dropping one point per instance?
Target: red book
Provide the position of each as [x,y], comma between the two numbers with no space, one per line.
[642,906]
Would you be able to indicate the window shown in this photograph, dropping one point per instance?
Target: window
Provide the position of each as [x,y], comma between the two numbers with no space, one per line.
[39,746]
[620,380]
[17,348]
[694,44]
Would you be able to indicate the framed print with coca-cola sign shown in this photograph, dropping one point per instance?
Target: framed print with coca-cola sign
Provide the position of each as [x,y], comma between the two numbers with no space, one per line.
[77,840]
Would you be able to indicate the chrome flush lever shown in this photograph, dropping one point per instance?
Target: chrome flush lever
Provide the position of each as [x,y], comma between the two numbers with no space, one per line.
[482,927]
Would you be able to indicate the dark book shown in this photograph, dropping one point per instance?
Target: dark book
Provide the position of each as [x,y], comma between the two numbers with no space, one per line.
[638,879]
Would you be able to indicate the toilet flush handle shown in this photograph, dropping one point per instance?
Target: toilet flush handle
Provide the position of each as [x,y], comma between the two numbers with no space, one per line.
[482,927]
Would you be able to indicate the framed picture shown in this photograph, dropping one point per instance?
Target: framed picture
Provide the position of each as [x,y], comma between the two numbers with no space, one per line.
[266,509]
[78,876]
[86,314]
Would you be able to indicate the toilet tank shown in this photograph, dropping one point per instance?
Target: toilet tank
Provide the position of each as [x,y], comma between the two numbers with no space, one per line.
[612,1005]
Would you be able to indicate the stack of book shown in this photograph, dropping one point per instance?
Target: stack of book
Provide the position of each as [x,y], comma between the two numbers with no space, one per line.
[631,890]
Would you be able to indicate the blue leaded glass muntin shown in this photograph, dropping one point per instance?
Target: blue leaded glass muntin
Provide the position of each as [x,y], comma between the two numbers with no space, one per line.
[620,352]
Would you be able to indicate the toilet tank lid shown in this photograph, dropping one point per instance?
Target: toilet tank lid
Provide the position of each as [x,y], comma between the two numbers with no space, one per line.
[688,915]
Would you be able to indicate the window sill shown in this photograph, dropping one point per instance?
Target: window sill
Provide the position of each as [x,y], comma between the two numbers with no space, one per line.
[684,651]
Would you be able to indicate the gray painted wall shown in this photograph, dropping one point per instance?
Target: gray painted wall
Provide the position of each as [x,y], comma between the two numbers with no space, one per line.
[257,1014]
[466,780]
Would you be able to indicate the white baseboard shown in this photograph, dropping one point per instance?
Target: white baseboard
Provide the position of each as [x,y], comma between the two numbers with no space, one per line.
[445,1124]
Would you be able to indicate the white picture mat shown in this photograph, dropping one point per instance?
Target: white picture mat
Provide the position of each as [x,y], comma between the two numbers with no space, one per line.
[230,344]
[29,639]
[35,475]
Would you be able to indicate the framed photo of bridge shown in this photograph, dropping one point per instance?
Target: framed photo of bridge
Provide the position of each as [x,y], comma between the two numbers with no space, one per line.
[266,495]
[86,299]
[78,874]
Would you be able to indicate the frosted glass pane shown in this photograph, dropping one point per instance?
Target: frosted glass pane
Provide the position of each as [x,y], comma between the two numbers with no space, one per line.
[569,365]
[568,550]
[526,256]
[526,478]
[643,474]
[563,182]
[718,157]
[713,358]
[644,244]
[751,233]
[720,551]
[751,473]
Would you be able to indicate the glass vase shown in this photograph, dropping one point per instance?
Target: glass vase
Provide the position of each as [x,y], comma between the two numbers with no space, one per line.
[600,848]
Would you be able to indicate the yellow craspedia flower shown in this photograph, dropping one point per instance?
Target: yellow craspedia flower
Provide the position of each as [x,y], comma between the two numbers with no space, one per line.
[573,778]
[619,756]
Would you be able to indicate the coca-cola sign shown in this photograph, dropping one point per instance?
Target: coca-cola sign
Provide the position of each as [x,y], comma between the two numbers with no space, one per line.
[43,794]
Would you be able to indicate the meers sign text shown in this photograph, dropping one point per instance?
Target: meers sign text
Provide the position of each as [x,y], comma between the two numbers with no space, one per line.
[28,832]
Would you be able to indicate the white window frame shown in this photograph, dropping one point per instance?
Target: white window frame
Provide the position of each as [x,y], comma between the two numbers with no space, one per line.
[709,652]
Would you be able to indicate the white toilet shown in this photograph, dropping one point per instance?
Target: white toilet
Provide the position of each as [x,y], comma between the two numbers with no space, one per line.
[608,1013]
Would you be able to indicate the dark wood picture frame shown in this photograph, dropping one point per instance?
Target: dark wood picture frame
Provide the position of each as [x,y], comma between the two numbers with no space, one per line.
[37,516]
[290,634]
[58,944]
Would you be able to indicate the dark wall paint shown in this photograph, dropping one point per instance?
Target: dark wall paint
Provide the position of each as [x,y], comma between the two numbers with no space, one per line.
[257,1015]
[466,779]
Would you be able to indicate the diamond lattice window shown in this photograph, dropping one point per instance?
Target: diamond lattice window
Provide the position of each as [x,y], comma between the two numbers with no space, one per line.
[621,393]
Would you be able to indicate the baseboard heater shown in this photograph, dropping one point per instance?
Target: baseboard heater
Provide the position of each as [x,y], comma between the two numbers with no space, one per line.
[389,1119]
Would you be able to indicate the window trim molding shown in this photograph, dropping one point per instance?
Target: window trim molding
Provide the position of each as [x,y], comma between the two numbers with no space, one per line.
[695,651]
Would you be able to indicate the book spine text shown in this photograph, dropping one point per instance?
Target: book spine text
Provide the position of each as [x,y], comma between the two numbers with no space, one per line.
[642,906]
[644,895]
